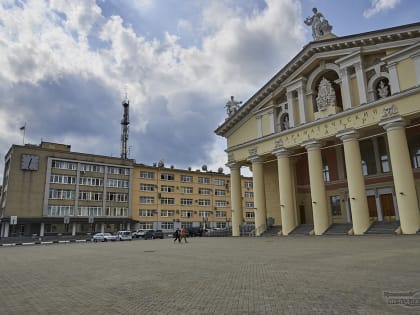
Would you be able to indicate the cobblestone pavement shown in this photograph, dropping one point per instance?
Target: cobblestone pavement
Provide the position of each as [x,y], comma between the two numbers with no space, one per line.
[278,275]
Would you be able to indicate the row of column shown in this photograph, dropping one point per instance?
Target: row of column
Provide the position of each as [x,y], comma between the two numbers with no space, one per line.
[402,173]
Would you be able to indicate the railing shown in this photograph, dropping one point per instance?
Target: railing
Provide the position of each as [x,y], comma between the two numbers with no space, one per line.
[258,231]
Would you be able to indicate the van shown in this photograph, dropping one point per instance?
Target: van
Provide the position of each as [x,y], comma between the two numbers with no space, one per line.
[124,236]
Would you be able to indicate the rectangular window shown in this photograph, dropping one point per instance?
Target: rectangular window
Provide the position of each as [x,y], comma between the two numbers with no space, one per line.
[368,157]
[118,170]
[147,175]
[167,176]
[186,202]
[146,213]
[167,201]
[89,211]
[219,182]
[62,179]
[186,190]
[249,215]
[203,180]
[90,195]
[166,213]
[116,212]
[186,214]
[335,205]
[64,165]
[249,194]
[119,183]
[146,200]
[220,192]
[165,188]
[62,194]
[383,155]
[204,202]
[167,225]
[204,214]
[248,185]
[92,168]
[147,187]
[186,179]
[91,181]
[60,211]
[221,225]
[249,205]
[204,191]
[116,197]
[221,214]
[220,203]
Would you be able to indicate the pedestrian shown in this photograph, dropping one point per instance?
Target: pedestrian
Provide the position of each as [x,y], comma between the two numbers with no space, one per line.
[183,235]
[176,235]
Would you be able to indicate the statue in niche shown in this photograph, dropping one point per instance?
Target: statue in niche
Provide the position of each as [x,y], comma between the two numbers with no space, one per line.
[320,25]
[232,106]
[383,90]
[285,122]
[326,95]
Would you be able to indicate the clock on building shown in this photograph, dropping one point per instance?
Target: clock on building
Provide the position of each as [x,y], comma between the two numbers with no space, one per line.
[29,162]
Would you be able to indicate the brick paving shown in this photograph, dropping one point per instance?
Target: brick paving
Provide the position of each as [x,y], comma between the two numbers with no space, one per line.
[277,275]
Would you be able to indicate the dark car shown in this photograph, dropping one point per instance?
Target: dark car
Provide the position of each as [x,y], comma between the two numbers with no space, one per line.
[153,234]
[195,231]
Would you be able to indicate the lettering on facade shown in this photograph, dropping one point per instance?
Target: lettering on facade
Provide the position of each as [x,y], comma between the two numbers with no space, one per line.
[252,151]
[278,144]
[389,110]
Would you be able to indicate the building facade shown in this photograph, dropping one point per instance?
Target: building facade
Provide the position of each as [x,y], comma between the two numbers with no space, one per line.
[334,136]
[49,190]
[166,198]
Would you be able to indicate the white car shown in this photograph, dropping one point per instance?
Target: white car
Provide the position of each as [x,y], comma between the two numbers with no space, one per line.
[104,237]
[139,233]
[124,236]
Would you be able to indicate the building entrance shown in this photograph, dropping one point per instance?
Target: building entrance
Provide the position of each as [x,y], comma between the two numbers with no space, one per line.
[387,206]
[373,211]
[302,214]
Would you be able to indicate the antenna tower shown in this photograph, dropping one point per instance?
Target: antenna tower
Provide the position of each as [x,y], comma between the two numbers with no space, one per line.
[124,127]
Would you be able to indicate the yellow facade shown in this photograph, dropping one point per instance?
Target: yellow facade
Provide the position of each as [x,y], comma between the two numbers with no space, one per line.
[360,98]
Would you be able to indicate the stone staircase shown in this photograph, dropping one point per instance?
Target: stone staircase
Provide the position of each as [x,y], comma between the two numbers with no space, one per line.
[338,229]
[272,231]
[302,229]
[383,228]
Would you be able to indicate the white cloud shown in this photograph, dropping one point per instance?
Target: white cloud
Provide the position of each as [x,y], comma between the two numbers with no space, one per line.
[378,6]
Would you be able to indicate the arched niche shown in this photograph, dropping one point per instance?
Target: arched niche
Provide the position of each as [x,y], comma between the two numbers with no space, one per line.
[374,86]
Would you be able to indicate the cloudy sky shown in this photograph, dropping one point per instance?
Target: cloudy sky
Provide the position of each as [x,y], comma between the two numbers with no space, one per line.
[66,64]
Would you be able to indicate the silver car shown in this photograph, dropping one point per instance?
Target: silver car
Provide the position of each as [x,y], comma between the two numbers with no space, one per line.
[104,237]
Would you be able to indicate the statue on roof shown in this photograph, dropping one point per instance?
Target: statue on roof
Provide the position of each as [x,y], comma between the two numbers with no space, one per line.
[232,106]
[320,25]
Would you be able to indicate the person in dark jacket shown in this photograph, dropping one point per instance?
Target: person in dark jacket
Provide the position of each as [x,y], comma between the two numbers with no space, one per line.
[177,236]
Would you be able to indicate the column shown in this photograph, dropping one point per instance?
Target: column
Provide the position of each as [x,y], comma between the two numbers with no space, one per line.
[41,229]
[405,189]
[259,194]
[236,198]
[345,88]
[271,119]
[73,229]
[393,78]
[302,105]
[355,181]
[290,110]
[286,187]
[361,82]
[318,194]
[6,229]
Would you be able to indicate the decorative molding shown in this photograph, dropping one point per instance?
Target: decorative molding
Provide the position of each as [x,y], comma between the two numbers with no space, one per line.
[278,144]
[253,151]
[389,110]
[326,95]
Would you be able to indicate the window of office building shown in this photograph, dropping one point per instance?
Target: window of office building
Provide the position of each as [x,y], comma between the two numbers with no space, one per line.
[186,202]
[167,201]
[221,214]
[249,205]
[186,179]
[60,211]
[166,213]
[147,187]
[186,190]
[91,181]
[119,183]
[204,214]
[203,180]
[147,175]
[116,212]
[146,212]
[186,214]
[64,165]
[249,215]
[62,179]
[146,200]
[335,205]
[221,225]
[219,182]
[204,202]
[62,194]
[167,176]
[167,225]
[92,168]
[249,194]
[220,203]
[116,197]
[166,188]
[89,211]
[220,192]
[90,195]
[204,191]
[248,185]
[118,170]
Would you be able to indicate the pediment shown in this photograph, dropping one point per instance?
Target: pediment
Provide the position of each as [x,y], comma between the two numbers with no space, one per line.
[323,53]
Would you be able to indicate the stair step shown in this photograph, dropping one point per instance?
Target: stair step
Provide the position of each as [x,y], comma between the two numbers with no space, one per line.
[339,229]
[302,229]
[383,228]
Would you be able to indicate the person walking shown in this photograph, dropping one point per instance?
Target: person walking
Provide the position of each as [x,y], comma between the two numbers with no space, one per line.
[176,235]
[183,235]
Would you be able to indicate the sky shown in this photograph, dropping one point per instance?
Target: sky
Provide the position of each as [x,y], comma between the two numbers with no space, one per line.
[66,66]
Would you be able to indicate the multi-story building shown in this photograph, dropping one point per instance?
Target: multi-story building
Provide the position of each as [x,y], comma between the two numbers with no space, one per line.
[334,136]
[167,198]
[49,190]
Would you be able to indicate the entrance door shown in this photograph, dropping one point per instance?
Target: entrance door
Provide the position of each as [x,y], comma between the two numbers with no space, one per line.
[373,211]
[302,214]
[387,205]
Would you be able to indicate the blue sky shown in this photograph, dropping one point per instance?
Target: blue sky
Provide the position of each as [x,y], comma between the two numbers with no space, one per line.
[67,63]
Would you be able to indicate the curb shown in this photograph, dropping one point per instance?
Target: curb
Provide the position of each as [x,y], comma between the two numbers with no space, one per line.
[44,243]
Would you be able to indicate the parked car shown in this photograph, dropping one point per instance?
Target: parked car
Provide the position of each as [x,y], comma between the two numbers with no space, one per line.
[124,236]
[153,234]
[139,233]
[104,237]
[195,231]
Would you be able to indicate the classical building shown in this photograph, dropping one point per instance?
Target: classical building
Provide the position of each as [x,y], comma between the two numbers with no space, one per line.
[167,198]
[334,136]
[49,190]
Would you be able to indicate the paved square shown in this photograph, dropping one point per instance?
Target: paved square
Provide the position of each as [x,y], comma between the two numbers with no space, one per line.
[278,275]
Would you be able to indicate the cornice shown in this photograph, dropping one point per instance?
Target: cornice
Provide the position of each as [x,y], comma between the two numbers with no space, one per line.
[338,45]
